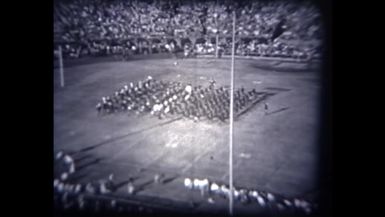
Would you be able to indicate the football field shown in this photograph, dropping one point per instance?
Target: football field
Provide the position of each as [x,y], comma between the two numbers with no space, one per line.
[274,150]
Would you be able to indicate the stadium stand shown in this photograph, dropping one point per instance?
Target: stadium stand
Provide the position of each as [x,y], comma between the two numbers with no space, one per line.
[123,28]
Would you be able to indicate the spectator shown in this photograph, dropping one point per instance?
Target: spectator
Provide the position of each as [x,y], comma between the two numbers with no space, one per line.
[96,28]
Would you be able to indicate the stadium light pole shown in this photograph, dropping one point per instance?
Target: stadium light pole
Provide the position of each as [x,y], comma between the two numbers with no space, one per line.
[231,122]
[217,33]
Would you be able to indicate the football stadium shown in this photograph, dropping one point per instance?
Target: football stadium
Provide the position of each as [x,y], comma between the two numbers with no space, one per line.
[187,107]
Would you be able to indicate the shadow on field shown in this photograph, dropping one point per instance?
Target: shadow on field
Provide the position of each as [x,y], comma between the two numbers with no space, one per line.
[170,179]
[291,67]
[122,137]
[277,89]
[142,186]
[123,183]
[82,158]
[96,161]
[277,111]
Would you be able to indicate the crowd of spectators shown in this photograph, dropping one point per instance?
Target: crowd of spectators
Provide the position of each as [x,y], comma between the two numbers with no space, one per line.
[264,28]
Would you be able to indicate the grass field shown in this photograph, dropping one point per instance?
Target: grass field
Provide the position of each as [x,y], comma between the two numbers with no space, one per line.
[277,152]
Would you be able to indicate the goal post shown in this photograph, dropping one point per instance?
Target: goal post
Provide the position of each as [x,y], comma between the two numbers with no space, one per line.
[216,46]
[59,54]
